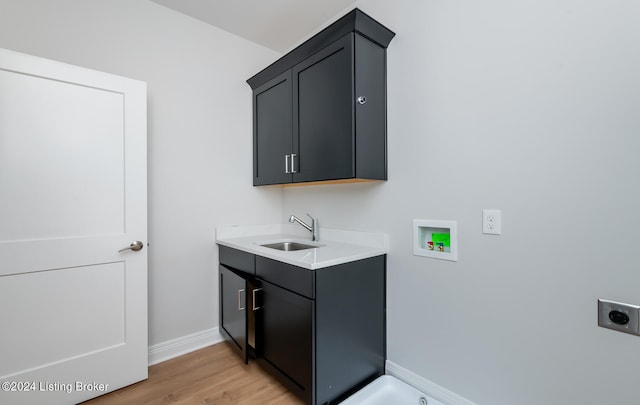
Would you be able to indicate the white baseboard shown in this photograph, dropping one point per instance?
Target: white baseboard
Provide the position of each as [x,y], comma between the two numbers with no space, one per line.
[183,345]
[428,387]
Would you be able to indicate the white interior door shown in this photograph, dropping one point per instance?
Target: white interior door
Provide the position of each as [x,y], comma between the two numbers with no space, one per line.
[73,309]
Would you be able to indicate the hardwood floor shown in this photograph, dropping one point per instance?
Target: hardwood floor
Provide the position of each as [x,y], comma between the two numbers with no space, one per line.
[213,375]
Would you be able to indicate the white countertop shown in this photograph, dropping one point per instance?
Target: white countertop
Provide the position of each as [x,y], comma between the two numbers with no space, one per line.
[334,247]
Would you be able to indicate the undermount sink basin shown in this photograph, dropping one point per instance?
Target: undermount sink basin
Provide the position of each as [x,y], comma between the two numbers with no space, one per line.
[289,246]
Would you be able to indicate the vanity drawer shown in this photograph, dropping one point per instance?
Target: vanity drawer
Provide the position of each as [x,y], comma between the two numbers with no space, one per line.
[237,259]
[294,278]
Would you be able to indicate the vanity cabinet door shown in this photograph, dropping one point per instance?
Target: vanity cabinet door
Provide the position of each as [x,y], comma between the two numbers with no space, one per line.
[285,338]
[233,310]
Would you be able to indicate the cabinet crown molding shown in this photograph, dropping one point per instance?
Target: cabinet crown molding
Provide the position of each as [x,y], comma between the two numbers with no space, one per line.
[354,21]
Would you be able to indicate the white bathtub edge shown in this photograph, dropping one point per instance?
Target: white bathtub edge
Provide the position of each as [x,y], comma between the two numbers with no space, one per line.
[428,387]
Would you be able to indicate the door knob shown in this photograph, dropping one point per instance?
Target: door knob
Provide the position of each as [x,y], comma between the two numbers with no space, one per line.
[135,246]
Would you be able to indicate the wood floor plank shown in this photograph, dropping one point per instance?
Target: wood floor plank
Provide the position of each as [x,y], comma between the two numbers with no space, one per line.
[213,375]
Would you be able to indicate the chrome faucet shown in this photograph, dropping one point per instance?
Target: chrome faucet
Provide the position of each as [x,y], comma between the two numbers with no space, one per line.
[313,228]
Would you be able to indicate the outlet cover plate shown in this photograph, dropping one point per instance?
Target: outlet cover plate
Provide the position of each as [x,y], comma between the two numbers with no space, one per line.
[492,222]
[605,307]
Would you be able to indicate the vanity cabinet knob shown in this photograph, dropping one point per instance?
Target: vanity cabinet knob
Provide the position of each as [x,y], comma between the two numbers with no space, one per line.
[362,100]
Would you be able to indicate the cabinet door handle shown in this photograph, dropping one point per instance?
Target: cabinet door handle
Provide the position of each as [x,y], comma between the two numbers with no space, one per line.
[240,307]
[286,164]
[362,100]
[254,298]
[293,163]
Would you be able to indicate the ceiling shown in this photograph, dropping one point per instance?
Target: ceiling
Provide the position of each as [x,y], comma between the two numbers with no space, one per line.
[275,24]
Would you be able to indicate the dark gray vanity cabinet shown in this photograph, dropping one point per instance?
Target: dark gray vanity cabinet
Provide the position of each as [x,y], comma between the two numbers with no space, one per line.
[319,113]
[320,332]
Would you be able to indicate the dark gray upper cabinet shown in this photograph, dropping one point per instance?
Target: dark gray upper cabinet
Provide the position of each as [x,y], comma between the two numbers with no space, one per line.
[319,112]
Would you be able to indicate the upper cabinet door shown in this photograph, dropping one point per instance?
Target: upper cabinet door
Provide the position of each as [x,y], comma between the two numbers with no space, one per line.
[272,147]
[323,117]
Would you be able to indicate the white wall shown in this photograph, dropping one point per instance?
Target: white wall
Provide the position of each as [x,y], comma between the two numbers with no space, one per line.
[199,137]
[531,107]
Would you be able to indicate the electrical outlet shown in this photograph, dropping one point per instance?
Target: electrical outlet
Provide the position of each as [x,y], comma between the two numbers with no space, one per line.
[619,316]
[491,222]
